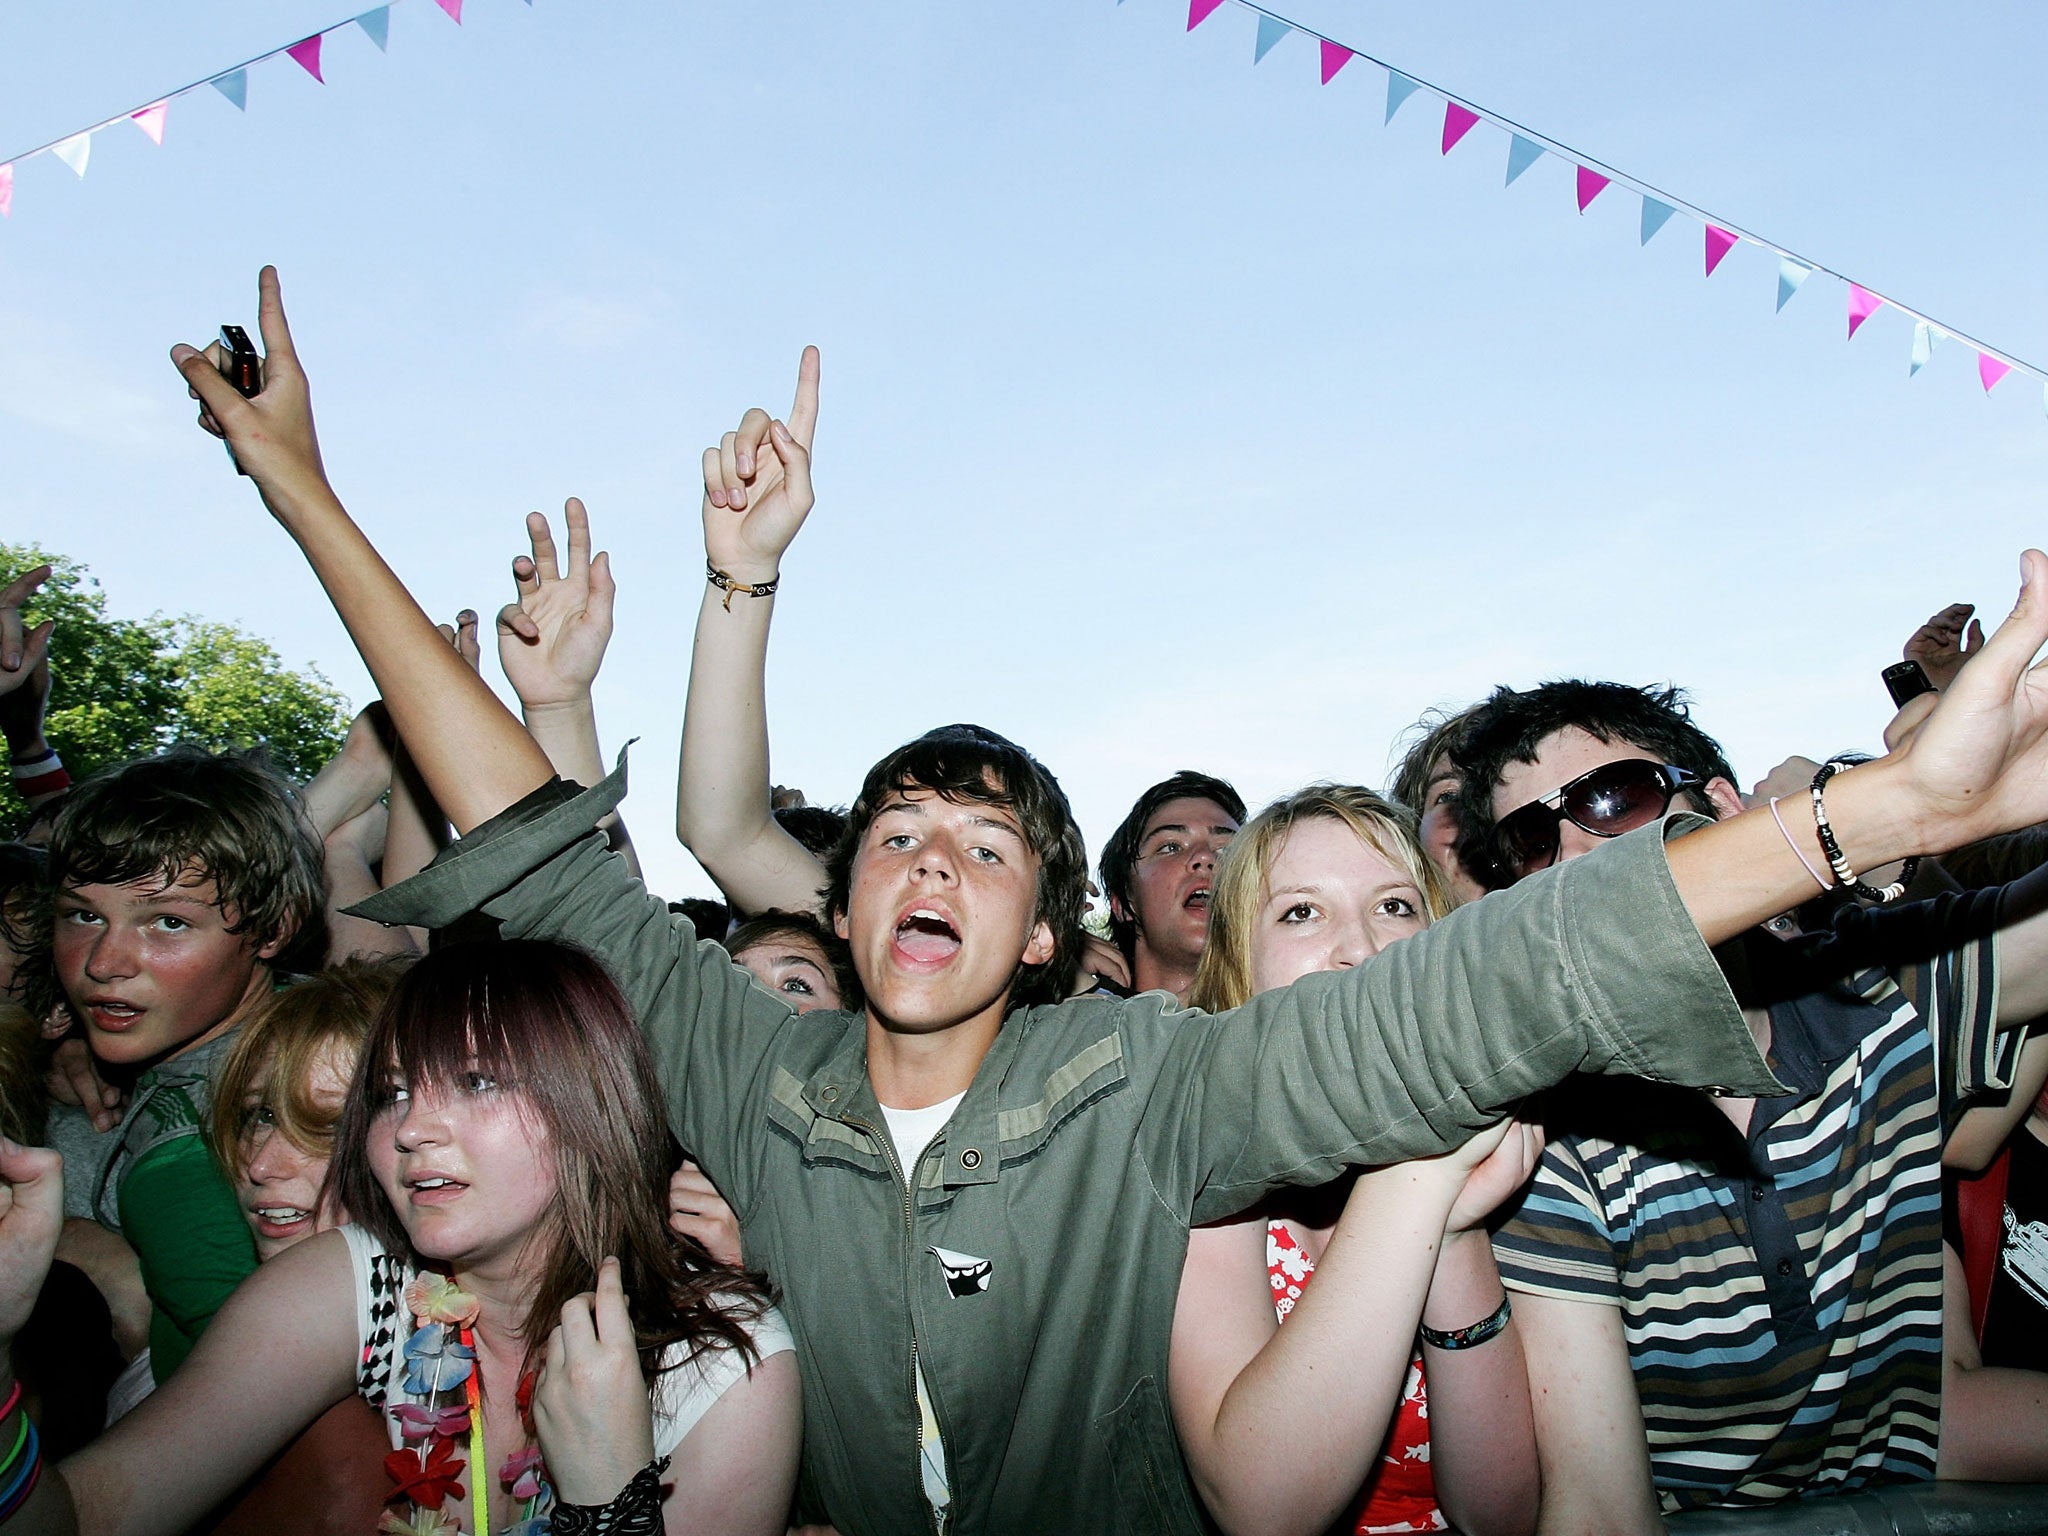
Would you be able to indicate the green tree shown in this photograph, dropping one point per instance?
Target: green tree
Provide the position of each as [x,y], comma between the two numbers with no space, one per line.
[121,688]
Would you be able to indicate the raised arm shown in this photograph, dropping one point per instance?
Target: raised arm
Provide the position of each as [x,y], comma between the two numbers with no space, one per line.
[757,492]
[474,756]
[551,643]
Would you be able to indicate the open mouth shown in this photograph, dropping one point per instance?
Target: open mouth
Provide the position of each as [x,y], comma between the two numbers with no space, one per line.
[926,937]
[280,1220]
[111,1013]
[434,1189]
[1198,900]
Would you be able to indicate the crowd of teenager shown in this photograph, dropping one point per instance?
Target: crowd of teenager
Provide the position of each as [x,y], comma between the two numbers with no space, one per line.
[1558,1140]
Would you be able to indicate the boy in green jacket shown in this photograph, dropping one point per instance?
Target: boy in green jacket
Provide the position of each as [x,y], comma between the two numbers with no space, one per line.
[982,1324]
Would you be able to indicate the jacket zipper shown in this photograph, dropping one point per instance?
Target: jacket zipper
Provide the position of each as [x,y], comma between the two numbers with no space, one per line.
[888,1145]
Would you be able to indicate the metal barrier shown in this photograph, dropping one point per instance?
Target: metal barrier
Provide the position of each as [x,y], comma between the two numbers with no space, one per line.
[1902,1509]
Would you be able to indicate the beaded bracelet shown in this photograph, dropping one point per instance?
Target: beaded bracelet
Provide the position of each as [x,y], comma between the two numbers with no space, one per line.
[1845,877]
[635,1510]
[1474,1336]
[733,587]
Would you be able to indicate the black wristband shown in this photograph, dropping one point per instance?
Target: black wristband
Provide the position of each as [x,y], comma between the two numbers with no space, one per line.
[634,1511]
[1474,1336]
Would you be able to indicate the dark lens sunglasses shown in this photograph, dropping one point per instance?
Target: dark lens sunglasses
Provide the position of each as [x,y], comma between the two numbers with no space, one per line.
[1612,799]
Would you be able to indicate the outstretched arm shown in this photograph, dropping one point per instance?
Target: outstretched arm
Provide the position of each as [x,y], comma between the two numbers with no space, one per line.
[757,492]
[551,643]
[475,757]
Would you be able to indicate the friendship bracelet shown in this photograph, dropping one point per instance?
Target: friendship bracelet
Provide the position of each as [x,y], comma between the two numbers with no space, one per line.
[1802,858]
[733,587]
[635,1510]
[1474,1336]
[1845,877]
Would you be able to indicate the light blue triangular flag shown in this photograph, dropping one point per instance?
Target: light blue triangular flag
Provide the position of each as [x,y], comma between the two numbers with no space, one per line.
[235,86]
[1399,89]
[1271,30]
[377,25]
[1923,347]
[1522,153]
[1654,215]
[1790,275]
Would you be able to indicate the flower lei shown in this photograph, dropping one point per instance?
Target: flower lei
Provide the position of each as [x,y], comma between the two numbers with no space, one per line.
[440,1361]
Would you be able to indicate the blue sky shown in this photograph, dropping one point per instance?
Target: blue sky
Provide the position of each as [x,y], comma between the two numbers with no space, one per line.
[1176,411]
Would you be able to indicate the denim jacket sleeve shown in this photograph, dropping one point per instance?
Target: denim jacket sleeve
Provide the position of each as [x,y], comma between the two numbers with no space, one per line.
[540,869]
[1594,966]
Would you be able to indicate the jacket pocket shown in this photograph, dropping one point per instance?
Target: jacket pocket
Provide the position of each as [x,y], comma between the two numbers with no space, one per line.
[1152,1490]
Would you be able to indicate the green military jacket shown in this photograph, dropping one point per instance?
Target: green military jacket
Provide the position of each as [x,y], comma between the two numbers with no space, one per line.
[1030,1262]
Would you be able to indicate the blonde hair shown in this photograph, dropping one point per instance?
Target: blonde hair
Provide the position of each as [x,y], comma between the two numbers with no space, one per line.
[1224,978]
[274,1056]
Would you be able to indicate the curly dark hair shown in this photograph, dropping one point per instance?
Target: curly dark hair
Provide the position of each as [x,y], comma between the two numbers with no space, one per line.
[972,765]
[1512,725]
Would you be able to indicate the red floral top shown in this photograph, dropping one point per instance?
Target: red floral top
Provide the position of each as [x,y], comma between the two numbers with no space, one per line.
[1400,1495]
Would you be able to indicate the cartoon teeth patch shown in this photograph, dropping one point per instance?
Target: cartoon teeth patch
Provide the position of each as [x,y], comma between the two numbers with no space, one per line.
[965,1274]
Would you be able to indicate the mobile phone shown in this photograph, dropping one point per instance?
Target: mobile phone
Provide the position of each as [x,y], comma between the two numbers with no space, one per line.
[239,361]
[1905,680]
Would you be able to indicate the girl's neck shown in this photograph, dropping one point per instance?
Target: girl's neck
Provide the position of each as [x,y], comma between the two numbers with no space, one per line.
[503,1300]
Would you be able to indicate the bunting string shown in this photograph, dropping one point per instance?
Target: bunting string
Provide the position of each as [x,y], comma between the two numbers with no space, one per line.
[74,149]
[1527,145]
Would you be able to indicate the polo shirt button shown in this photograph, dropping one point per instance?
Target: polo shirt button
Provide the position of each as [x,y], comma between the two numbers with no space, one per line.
[970,1158]
[1784,1266]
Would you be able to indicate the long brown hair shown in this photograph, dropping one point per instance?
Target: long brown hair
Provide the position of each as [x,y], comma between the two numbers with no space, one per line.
[546,1021]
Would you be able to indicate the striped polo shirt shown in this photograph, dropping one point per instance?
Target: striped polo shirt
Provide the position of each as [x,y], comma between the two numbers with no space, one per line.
[1781,1292]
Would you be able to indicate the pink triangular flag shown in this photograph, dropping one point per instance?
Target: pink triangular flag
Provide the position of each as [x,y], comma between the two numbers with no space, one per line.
[1991,370]
[1591,185]
[151,120]
[1862,305]
[1335,57]
[453,8]
[1200,11]
[1719,243]
[307,54]
[1458,122]
[6,189]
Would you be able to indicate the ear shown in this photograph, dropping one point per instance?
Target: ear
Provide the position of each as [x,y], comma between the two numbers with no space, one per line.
[839,925]
[1725,798]
[1118,910]
[1040,946]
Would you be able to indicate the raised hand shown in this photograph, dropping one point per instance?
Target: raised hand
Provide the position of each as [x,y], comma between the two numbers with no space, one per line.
[271,434]
[757,484]
[590,1405]
[24,657]
[552,640]
[696,1209]
[1945,642]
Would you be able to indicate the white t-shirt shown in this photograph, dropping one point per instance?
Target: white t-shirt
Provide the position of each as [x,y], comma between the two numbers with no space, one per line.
[682,1395]
[913,1129]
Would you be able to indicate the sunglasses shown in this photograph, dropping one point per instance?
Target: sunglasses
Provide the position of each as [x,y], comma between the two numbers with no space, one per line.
[1612,799]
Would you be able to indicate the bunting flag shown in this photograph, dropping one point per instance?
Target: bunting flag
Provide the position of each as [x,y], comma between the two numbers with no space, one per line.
[1526,146]
[306,53]
[1399,89]
[1655,215]
[1923,347]
[151,120]
[1719,243]
[1522,153]
[75,149]
[1458,121]
[1790,275]
[235,86]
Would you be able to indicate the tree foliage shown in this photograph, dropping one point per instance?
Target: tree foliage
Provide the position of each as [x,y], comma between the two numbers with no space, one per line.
[122,688]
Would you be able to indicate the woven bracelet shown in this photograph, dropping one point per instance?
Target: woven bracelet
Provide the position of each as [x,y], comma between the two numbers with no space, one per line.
[1474,1336]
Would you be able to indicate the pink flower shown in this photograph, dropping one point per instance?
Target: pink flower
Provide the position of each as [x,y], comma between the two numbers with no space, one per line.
[435,1298]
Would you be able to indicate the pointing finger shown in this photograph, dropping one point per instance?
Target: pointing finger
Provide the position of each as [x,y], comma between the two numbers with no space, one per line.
[803,413]
[543,538]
